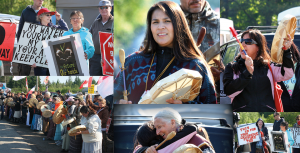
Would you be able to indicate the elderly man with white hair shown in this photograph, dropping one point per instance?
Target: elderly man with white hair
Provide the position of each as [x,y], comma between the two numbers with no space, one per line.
[169,120]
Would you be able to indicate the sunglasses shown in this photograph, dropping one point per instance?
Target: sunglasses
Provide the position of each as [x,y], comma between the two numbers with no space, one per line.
[248,41]
[103,7]
[48,15]
[274,115]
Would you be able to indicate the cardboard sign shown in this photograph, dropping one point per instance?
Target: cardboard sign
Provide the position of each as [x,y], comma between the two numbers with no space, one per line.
[65,56]
[278,141]
[30,48]
[107,53]
[91,89]
[2,85]
[296,137]
[108,124]
[247,134]
[7,40]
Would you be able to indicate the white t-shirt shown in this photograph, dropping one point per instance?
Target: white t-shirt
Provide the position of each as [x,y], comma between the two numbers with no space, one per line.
[93,125]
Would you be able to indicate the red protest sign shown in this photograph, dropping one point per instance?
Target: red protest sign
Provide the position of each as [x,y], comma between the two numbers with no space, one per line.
[107,53]
[247,134]
[7,40]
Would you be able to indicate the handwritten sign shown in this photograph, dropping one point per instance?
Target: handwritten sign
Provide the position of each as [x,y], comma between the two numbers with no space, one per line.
[91,89]
[247,134]
[278,141]
[30,48]
[7,40]
[65,56]
[107,53]
[296,137]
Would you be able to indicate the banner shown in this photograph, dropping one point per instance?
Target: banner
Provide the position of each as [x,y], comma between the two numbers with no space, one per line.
[7,40]
[296,137]
[247,134]
[30,48]
[2,85]
[65,56]
[107,53]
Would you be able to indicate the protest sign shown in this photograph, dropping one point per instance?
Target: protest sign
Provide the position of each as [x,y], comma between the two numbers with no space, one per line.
[247,134]
[30,48]
[107,53]
[2,85]
[278,141]
[91,89]
[7,40]
[65,56]
[296,137]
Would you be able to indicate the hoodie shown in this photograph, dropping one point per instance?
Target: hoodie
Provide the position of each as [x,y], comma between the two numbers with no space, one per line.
[266,135]
[86,39]
[209,19]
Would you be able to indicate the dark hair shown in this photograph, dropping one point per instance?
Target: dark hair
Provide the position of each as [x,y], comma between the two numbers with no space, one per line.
[262,56]
[298,117]
[277,113]
[85,109]
[146,135]
[285,124]
[295,52]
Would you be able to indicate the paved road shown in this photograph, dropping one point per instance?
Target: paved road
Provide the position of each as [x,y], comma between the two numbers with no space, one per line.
[16,138]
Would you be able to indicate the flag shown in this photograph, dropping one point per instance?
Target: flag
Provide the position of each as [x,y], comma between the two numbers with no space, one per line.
[90,81]
[105,88]
[26,85]
[16,78]
[46,80]
[84,84]
[101,78]
[30,92]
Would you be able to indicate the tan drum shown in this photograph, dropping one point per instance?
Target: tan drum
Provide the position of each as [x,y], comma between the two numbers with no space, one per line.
[47,113]
[33,102]
[182,85]
[40,104]
[11,104]
[25,103]
[57,117]
[69,121]
[76,129]
[286,26]
[188,148]
[7,100]
[45,107]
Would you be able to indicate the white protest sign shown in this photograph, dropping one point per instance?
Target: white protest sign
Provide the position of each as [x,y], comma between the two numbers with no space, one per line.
[30,49]
[247,134]
[296,137]
[65,56]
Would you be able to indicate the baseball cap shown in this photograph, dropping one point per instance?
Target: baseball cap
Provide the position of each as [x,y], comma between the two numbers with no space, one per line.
[104,3]
[45,10]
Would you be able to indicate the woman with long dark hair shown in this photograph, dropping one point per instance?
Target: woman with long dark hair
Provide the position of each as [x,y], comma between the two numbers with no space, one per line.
[248,81]
[169,47]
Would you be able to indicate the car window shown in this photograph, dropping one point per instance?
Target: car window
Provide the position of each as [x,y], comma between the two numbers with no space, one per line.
[230,53]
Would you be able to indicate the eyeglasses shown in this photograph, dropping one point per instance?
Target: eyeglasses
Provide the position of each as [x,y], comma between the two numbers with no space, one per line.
[103,7]
[274,115]
[75,19]
[48,15]
[248,41]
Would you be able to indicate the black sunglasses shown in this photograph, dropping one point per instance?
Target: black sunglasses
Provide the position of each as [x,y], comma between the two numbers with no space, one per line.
[248,41]
[103,7]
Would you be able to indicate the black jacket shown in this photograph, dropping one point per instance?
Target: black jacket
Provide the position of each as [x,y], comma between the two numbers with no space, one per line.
[276,125]
[255,90]
[2,97]
[292,103]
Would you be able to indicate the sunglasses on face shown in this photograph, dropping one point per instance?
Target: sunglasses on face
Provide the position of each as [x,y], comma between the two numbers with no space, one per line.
[103,7]
[248,41]
[274,115]
[298,119]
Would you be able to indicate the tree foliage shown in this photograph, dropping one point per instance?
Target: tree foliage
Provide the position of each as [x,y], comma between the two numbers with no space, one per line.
[20,85]
[267,117]
[254,12]
[15,7]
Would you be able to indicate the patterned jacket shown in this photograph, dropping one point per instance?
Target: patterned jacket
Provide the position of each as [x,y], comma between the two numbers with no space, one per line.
[137,67]
[208,19]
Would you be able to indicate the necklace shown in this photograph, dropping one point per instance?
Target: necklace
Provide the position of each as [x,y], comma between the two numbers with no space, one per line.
[155,81]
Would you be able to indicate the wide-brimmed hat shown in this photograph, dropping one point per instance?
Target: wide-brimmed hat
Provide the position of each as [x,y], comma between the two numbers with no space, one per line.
[45,10]
[57,116]
[104,3]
